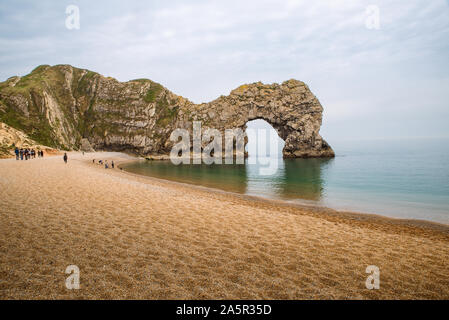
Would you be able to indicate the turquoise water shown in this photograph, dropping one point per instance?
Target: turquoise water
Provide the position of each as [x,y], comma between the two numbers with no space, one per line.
[402,178]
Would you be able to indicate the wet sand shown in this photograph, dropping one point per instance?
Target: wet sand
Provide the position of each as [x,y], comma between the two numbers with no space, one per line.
[145,238]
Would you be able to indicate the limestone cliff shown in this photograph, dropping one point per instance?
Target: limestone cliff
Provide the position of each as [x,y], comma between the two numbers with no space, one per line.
[70,108]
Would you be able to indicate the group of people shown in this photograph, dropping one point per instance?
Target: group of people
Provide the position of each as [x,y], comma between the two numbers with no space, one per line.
[100,162]
[105,163]
[26,154]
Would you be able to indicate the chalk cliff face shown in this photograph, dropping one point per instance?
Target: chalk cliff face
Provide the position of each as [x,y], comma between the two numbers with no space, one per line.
[71,108]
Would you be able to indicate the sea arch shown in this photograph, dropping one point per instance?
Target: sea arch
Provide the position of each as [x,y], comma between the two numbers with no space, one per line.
[290,108]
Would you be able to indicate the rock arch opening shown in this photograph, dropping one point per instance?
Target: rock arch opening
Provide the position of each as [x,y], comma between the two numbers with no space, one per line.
[263,138]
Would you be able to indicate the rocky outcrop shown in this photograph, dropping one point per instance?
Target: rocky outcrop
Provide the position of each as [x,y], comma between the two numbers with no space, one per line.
[11,138]
[86,146]
[71,108]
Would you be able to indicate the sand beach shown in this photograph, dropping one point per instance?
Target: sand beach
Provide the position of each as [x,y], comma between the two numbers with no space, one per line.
[135,237]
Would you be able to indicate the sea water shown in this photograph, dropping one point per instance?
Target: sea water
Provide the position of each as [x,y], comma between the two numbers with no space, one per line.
[396,178]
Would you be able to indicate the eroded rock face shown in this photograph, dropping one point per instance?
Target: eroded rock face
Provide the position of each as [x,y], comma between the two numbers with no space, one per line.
[290,108]
[72,108]
[11,138]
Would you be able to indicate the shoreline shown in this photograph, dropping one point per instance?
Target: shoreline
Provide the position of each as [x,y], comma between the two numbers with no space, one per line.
[316,208]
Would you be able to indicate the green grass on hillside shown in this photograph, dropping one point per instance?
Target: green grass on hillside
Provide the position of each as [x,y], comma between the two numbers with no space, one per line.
[153,92]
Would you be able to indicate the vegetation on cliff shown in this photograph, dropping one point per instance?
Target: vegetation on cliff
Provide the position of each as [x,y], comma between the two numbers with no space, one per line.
[67,108]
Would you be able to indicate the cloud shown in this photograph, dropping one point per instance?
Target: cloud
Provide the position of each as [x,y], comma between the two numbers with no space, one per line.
[202,49]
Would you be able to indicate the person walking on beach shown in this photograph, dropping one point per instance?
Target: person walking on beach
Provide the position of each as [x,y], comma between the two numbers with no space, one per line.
[65,157]
[16,151]
[106,166]
[33,154]
[21,153]
[112,164]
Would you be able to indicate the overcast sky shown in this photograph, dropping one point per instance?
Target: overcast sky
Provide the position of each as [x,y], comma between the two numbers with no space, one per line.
[373,83]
